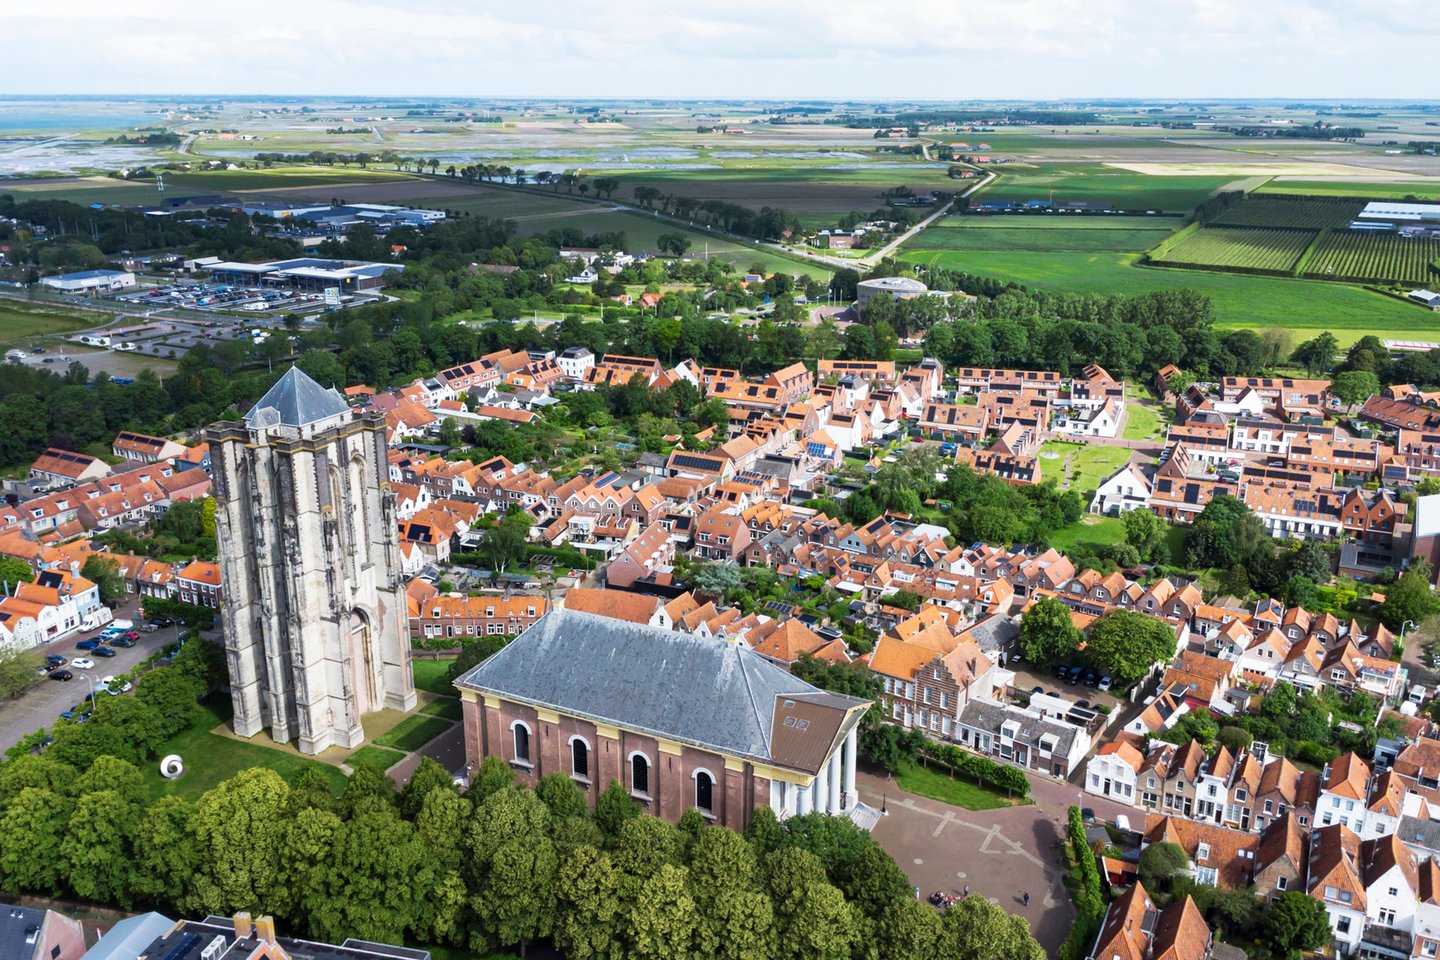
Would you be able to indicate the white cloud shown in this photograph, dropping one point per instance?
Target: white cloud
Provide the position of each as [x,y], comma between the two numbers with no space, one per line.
[941,49]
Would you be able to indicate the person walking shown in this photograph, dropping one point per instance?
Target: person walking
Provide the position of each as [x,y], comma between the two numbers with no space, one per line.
[967,889]
[917,891]
[1026,898]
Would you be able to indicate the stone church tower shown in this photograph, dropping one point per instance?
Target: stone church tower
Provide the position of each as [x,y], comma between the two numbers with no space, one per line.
[314,603]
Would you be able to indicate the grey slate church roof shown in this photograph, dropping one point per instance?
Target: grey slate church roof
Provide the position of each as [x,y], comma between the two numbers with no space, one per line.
[296,400]
[705,692]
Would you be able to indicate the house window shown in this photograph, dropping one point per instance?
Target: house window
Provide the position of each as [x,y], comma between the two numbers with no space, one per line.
[639,774]
[1342,925]
[704,791]
[1269,806]
[579,759]
[1281,883]
[522,741]
[1387,917]
[1202,852]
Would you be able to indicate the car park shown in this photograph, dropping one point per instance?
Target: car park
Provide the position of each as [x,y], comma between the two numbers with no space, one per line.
[61,675]
[82,663]
[103,652]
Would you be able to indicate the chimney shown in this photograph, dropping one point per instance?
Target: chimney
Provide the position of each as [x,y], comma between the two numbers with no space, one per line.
[243,927]
[265,928]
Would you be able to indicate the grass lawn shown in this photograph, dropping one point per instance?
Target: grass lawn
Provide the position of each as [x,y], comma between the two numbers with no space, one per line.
[434,675]
[1175,543]
[210,758]
[1425,190]
[1123,189]
[1090,530]
[1305,307]
[414,732]
[961,793]
[1141,423]
[21,321]
[382,757]
[446,707]
[1088,464]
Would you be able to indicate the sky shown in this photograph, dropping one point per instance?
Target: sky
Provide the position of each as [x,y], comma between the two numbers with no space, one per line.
[781,49]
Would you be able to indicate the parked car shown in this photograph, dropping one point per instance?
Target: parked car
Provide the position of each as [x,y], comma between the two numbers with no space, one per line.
[103,652]
[1106,683]
[1037,690]
[1091,678]
[1083,704]
[55,661]
[61,675]
[162,622]
[90,644]
[82,663]
[1073,674]
[110,683]
[124,640]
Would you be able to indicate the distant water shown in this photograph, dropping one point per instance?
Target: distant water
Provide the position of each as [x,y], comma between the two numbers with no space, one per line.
[53,116]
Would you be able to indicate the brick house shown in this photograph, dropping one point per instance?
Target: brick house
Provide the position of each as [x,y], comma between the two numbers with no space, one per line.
[601,700]
[721,534]
[198,583]
[443,616]
[641,558]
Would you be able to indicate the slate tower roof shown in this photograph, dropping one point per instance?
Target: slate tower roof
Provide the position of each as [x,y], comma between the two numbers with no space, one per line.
[295,401]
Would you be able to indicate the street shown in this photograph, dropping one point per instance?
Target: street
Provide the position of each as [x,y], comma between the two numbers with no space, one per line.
[42,704]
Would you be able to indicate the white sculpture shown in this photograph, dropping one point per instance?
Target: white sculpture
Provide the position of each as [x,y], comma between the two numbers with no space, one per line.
[171,767]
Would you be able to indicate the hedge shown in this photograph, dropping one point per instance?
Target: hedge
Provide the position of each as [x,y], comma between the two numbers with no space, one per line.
[1089,900]
[982,770]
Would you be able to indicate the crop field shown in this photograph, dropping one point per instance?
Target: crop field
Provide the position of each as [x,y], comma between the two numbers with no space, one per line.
[1117,234]
[1123,189]
[1380,190]
[21,321]
[1374,257]
[1239,248]
[1310,213]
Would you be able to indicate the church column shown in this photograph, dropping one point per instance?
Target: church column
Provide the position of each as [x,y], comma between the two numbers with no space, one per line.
[834,779]
[852,797]
[806,794]
[821,789]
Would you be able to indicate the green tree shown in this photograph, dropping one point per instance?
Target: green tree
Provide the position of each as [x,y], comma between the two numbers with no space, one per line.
[715,579]
[1143,530]
[822,928]
[31,770]
[1047,633]
[1160,864]
[614,807]
[372,881]
[562,795]
[95,850]
[1125,644]
[1226,533]
[441,819]
[1296,924]
[173,695]
[13,571]
[740,925]
[1318,354]
[493,775]
[164,851]
[19,671]
[120,776]
[429,775]
[239,826]
[660,924]
[32,832]
[909,929]
[518,902]
[1409,599]
[503,543]
[588,907]
[976,929]
[1354,386]
[645,844]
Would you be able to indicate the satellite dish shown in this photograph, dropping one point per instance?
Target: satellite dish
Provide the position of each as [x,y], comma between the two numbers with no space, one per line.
[172,767]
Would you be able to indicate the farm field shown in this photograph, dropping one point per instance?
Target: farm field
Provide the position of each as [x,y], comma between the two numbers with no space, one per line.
[1243,248]
[1046,233]
[1305,307]
[1282,211]
[1374,257]
[1124,189]
[21,321]
[1379,190]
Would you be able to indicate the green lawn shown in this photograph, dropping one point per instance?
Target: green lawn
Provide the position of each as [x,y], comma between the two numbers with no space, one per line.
[412,733]
[434,675]
[1123,189]
[1088,464]
[210,758]
[1306,307]
[1141,423]
[21,320]
[961,793]
[1091,531]
[1175,542]
[376,756]
[448,708]
[1045,234]
[1425,190]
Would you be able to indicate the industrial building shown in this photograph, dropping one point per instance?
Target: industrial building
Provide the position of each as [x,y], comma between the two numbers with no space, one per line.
[87,280]
[305,273]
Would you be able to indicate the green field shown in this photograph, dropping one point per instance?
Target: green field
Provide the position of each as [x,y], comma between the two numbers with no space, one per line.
[1090,531]
[376,756]
[21,321]
[941,786]
[1309,213]
[1424,190]
[447,707]
[1141,423]
[1305,306]
[434,676]
[1084,464]
[1264,249]
[1046,233]
[210,758]
[412,733]
[1123,189]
